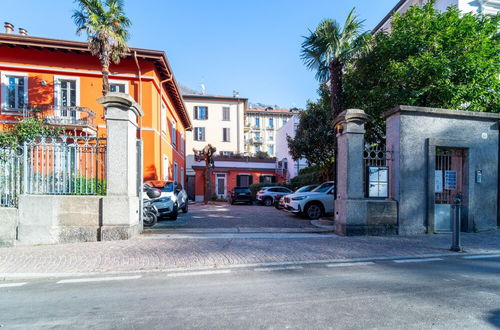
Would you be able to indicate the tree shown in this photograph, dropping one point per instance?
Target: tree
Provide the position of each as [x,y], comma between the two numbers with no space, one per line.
[314,135]
[329,48]
[430,58]
[207,154]
[106,27]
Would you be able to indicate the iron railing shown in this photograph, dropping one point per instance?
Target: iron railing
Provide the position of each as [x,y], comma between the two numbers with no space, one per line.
[65,165]
[58,115]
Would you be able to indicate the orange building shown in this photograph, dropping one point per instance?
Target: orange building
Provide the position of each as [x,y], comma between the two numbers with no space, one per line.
[59,81]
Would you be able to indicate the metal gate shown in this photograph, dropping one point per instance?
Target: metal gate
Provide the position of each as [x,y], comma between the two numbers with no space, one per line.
[450,180]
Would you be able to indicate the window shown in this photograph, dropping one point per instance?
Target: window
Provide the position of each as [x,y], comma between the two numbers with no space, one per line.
[225,134]
[284,122]
[182,176]
[174,134]
[199,133]
[257,122]
[118,86]
[226,153]
[270,137]
[257,135]
[176,172]
[67,96]
[14,91]
[182,142]
[165,167]
[244,180]
[271,150]
[201,113]
[270,179]
[225,114]
[163,119]
[378,181]
[257,148]
[271,122]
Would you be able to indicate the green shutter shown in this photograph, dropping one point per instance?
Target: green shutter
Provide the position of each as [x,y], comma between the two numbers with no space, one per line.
[250,180]
[238,181]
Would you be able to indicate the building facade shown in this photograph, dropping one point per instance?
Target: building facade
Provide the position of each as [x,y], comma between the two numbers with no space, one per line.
[286,167]
[59,81]
[487,7]
[261,126]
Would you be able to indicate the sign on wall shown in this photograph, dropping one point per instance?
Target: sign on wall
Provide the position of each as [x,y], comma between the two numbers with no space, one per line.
[450,180]
[438,182]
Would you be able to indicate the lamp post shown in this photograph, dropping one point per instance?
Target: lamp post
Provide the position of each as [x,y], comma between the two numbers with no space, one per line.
[206,154]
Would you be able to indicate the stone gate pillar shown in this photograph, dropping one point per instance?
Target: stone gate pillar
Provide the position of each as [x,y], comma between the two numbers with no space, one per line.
[350,171]
[120,206]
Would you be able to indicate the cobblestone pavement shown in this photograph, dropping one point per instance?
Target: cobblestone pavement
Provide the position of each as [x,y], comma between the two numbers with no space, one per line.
[224,215]
[157,254]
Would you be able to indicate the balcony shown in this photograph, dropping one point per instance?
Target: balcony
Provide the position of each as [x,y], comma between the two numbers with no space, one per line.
[247,127]
[79,118]
[256,140]
[270,128]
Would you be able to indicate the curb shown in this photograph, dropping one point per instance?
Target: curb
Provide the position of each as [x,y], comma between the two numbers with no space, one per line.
[26,276]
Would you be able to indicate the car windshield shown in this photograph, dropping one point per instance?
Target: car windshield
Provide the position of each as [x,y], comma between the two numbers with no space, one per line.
[305,189]
[241,190]
[323,187]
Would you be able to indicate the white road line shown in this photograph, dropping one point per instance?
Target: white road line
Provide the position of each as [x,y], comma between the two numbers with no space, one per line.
[483,256]
[270,269]
[99,279]
[417,260]
[347,264]
[10,285]
[208,272]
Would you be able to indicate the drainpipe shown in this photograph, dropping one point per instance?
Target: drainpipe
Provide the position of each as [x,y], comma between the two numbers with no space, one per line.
[140,91]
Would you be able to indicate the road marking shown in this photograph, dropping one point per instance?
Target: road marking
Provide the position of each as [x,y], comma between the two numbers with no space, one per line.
[10,285]
[99,279]
[483,256]
[270,269]
[208,272]
[401,261]
[347,264]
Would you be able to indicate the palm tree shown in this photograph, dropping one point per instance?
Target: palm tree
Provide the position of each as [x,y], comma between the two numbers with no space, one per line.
[106,27]
[329,48]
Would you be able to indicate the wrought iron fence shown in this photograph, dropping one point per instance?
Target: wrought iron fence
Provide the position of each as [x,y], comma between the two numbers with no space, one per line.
[10,176]
[66,165]
[377,171]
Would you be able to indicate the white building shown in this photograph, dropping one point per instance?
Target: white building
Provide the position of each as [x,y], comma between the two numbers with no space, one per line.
[489,7]
[286,167]
[261,126]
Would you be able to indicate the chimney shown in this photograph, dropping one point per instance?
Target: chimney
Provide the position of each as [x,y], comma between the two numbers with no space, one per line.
[23,32]
[9,28]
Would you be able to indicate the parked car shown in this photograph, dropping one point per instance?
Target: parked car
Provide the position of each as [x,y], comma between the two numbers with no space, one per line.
[267,195]
[313,204]
[173,190]
[164,205]
[240,195]
[279,202]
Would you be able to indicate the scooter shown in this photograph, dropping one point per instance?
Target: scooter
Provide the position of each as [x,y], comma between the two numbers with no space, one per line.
[149,211]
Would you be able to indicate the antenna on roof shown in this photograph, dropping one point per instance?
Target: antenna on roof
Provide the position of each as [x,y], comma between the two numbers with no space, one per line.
[203,90]
[236,93]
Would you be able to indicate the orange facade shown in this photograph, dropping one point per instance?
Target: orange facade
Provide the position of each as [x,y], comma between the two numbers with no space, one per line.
[60,81]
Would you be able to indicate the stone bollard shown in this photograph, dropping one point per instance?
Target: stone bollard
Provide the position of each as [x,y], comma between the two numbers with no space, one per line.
[120,206]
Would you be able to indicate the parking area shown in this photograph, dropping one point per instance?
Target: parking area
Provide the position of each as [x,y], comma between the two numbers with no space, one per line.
[225,216]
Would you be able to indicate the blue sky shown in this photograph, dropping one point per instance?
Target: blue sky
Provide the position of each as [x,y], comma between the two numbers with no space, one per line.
[250,46]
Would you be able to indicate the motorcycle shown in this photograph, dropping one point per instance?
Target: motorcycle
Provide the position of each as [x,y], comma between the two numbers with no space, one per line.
[149,211]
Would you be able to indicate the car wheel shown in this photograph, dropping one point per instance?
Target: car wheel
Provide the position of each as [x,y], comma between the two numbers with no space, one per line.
[185,208]
[313,211]
[174,214]
[268,201]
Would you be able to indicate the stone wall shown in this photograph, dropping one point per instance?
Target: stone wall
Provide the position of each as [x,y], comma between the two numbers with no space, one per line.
[8,226]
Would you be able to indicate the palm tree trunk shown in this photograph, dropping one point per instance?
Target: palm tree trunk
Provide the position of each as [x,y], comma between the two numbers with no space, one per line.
[105,79]
[336,87]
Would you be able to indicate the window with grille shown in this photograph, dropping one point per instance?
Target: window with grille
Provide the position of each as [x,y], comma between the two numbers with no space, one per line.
[199,133]
[225,134]
[225,114]
[200,113]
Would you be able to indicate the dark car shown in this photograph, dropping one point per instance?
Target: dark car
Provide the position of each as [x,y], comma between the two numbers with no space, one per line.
[240,195]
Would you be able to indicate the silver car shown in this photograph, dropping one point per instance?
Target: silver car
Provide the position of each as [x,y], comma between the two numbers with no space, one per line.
[267,195]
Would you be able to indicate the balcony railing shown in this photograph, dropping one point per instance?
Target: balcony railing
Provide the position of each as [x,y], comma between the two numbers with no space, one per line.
[257,140]
[55,115]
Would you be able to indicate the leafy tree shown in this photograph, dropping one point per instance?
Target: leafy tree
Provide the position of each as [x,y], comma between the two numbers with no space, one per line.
[329,48]
[25,130]
[314,135]
[430,58]
[106,27]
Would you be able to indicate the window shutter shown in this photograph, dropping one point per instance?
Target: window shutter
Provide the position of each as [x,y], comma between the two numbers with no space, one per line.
[206,111]
[250,180]
[203,133]
[262,179]
[273,179]
[238,181]
[195,113]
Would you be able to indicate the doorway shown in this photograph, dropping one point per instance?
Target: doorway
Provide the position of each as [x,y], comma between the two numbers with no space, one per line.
[220,185]
[450,182]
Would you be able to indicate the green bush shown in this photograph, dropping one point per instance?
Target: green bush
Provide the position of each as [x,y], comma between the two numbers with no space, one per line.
[307,179]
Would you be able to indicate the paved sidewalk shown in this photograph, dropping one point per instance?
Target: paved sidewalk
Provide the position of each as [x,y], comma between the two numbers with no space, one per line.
[167,253]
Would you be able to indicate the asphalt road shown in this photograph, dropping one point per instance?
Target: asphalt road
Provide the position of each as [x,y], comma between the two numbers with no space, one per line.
[435,293]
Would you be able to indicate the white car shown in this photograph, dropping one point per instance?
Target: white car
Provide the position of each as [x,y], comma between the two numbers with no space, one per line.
[313,204]
[174,191]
